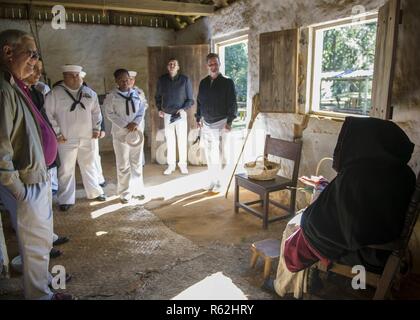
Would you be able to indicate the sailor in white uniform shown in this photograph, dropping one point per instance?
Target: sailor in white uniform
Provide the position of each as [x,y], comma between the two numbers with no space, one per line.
[132,84]
[98,165]
[124,107]
[74,113]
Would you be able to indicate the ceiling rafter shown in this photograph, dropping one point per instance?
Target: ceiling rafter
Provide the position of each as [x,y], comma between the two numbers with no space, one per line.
[137,6]
[172,14]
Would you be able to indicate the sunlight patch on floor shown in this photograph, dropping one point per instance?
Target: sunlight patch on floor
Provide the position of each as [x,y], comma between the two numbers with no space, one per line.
[214,287]
[214,196]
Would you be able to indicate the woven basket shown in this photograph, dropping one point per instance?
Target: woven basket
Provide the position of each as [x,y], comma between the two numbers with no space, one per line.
[262,169]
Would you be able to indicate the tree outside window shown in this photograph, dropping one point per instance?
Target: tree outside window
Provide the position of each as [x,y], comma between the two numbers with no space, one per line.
[234,59]
[344,56]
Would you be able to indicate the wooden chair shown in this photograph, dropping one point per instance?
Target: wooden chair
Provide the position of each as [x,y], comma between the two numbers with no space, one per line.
[399,248]
[283,149]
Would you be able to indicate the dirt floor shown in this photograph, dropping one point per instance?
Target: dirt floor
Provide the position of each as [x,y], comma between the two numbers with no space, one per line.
[178,238]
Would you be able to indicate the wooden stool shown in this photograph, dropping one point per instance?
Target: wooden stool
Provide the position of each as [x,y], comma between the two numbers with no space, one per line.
[268,249]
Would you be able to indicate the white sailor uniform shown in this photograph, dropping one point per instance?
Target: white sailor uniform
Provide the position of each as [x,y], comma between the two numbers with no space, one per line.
[122,108]
[75,114]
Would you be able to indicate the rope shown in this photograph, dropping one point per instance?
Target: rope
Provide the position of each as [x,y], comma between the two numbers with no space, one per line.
[35,34]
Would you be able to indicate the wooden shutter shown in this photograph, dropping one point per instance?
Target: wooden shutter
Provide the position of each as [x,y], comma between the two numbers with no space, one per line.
[278,71]
[192,61]
[386,44]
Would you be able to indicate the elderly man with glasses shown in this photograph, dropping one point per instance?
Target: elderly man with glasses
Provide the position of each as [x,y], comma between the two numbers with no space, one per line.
[27,147]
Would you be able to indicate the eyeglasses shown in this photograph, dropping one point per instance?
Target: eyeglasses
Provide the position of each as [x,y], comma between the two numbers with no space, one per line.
[34,54]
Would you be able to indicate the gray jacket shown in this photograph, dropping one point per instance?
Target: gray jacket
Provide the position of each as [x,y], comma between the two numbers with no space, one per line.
[21,155]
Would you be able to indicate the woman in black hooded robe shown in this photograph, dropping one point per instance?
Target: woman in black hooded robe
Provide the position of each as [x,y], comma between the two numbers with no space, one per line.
[364,205]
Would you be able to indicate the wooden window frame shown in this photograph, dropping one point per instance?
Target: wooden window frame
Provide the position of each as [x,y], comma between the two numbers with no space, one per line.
[237,38]
[313,30]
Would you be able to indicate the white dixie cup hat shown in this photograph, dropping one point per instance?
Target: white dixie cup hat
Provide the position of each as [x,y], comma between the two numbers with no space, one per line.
[134,138]
[71,68]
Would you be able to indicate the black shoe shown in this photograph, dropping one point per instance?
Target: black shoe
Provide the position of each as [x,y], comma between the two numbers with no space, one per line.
[60,240]
[65,207]
[103,184]
[268,285]
[100,198]
[123,201]
[55,253]
[62,296]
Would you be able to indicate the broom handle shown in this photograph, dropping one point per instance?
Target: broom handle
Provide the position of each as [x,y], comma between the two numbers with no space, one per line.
[255,112]
[239,158]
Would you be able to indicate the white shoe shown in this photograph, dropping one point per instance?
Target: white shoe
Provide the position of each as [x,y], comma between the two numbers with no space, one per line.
[217,188]
[183,169]
[169,170]
[209,187]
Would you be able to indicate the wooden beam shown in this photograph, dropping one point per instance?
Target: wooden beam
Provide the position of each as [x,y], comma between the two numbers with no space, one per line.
[385,56]
[144,6]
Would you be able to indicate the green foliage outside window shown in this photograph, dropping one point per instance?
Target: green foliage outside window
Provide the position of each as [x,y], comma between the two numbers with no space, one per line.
[236,68]
[348,51]
[351,47]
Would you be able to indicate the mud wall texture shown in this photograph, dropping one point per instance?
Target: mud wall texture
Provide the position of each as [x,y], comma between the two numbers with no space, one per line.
[273,15]
[320,135]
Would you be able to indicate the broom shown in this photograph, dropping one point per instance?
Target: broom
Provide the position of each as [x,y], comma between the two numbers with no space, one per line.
[255,111]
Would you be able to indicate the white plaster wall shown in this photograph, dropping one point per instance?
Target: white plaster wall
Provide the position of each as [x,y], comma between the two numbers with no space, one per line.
[99,49]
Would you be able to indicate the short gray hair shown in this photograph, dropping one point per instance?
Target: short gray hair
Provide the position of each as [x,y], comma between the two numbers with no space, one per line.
[12,37]
[212,55]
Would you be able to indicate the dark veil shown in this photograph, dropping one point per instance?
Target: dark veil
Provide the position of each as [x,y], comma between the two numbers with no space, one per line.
[366,203]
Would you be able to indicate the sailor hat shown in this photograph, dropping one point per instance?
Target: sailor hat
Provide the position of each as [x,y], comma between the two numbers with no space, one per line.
[132,74]
[71,68]
[134,138]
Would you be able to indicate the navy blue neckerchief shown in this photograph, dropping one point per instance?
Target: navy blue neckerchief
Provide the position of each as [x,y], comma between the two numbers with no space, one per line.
[127,100]
[75,102]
